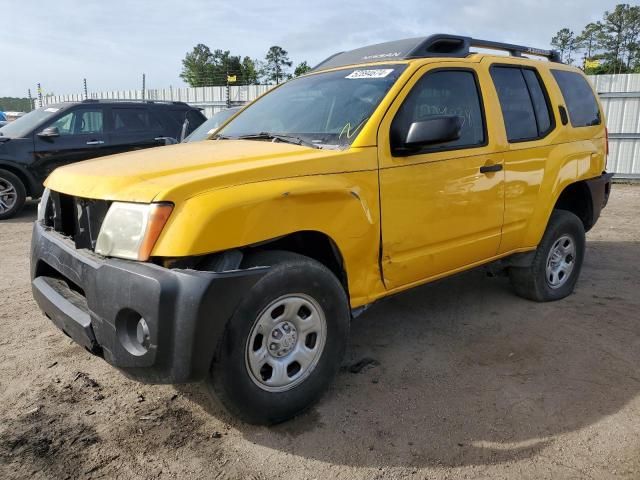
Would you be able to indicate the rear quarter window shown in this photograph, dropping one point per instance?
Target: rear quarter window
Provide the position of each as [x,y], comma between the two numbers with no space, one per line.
[579,98]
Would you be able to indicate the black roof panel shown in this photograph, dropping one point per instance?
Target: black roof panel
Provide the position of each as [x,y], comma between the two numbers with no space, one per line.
[438,45]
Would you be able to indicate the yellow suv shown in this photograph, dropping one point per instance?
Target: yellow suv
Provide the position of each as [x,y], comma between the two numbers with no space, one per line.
[240,260]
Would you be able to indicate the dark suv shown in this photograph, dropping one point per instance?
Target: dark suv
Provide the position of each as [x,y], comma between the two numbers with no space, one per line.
[49,137]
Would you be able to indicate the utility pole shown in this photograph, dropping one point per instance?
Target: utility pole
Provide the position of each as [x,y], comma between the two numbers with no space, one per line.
[144,86]
[30,100]
[228,91]
[84,82]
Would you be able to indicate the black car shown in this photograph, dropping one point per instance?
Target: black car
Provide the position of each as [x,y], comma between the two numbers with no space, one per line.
[34,145]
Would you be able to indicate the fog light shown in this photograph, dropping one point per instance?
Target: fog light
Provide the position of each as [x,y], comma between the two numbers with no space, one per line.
[142,333]
[133,332]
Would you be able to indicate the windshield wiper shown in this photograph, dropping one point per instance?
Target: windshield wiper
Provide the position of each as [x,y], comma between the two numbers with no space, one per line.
[272,136]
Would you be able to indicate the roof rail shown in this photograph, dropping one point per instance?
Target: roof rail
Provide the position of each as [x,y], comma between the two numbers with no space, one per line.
[437,45]
[132,100]
[517,50]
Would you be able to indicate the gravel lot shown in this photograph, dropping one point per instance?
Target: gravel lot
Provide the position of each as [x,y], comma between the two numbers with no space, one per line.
[469,381]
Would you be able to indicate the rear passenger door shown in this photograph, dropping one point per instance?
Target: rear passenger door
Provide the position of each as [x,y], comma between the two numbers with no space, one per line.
[134,128]
[527,121]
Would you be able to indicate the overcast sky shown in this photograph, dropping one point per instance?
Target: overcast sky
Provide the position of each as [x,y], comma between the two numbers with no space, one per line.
[111,43]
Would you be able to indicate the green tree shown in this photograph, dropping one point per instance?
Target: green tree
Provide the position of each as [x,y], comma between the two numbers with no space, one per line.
[614,41]
[632,37]
[249,71]
[225,64]
[589,39]
[565,42]
[197,67]
[619,37]
[204,68]
[13,104]
[276,65]
[301,69]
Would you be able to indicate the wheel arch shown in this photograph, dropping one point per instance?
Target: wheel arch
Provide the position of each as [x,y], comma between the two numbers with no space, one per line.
[311,243]
[576,198]
[31,186]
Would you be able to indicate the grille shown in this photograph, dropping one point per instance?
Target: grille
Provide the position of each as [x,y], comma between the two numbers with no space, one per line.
[77,218]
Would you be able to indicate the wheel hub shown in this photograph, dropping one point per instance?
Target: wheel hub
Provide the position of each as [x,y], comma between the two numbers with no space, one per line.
[286,342]
[8,196]
[282,339]
[561,261]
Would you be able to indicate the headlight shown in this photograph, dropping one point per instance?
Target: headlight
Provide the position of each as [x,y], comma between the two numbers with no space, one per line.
[130,230]
[42,206]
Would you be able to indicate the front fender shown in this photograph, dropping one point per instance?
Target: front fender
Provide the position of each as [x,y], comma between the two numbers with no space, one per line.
[343,206]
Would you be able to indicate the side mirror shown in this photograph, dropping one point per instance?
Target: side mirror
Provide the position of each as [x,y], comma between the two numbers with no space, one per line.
[166,140]
[436,129]
[49,132]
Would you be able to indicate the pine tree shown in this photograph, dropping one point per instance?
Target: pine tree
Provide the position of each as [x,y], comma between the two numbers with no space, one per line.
[276,65]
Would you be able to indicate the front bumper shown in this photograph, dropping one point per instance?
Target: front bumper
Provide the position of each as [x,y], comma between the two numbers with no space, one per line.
[98,302]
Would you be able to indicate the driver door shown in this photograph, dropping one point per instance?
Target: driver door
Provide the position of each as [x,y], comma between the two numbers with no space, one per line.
[80,137]
[443,205]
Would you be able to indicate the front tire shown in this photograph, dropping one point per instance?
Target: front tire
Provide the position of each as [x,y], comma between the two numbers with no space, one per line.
[284,343]
[12,194]
[557,262]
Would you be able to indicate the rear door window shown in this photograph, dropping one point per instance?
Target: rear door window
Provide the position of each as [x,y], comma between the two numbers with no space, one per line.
[578,95]
[127,120]
[515,101]
[539,100]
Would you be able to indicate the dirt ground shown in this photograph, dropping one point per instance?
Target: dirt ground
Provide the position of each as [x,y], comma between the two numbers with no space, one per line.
[469,382]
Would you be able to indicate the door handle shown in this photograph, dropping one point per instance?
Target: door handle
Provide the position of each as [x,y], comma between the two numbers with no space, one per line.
[95,142]
[491,168]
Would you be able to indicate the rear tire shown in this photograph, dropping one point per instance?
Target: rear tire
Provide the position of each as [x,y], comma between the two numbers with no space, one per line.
[284,343]
[12,194]
[557,262]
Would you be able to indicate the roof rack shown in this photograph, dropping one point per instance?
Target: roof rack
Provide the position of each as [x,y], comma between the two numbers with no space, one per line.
[438,45]
[109,100]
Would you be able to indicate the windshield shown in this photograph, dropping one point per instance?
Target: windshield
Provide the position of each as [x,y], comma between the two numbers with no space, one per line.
[326,109]
[24,125]
[211,125]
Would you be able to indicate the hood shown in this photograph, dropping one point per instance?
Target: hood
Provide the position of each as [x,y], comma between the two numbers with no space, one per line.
[177,172]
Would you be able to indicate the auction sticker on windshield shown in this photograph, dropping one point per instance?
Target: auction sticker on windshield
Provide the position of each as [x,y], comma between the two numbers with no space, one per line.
[378,73]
